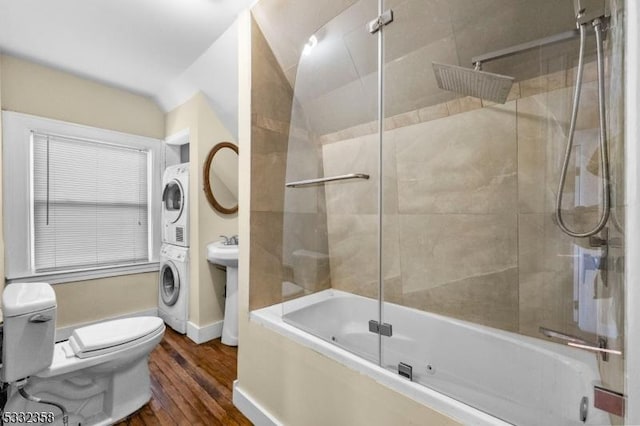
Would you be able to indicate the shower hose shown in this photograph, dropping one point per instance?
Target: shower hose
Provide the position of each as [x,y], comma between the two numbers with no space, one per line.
[604,160]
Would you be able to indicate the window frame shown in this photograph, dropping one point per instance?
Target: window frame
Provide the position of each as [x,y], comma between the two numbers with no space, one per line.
[17,199]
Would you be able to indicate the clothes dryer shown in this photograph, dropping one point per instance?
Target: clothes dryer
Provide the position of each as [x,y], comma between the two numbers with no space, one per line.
[175,205]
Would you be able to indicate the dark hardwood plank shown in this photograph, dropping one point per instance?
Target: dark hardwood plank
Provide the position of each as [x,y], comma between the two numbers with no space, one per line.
[190,385]
[200,402]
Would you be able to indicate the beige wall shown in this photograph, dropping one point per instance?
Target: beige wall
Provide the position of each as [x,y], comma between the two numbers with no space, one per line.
[35,89]
[1,212]
[302,387]
[38,90]
[206,300]
[293,383]
[87,301]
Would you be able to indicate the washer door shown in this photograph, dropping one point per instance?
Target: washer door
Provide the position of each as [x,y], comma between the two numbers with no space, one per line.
[173,201]
[169,284]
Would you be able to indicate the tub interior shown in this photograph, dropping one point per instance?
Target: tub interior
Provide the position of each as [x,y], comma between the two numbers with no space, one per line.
[515,378]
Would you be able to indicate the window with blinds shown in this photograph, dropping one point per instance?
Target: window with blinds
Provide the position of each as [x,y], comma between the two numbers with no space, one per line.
[90,204]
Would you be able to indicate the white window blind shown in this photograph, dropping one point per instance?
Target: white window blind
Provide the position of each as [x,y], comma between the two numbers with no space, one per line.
[89,204]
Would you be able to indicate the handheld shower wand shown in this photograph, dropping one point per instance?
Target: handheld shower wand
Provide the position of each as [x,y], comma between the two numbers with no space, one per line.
[604,159]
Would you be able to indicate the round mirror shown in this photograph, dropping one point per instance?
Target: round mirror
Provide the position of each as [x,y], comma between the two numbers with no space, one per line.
[221,177]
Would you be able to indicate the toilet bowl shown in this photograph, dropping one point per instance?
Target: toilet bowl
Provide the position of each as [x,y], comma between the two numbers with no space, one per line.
[100,375]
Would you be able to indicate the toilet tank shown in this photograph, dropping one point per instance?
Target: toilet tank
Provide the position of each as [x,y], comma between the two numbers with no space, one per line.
[29,311]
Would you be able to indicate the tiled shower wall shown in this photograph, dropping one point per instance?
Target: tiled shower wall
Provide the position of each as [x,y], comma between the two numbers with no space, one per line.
[469,187]
[468,223]
[271,98]
[468,199]
[280,154]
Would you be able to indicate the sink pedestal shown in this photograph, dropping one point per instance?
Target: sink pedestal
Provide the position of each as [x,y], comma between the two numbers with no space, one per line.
[230,324]
[226,255]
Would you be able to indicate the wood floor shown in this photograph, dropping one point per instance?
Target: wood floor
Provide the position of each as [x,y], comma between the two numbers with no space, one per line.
[190,384]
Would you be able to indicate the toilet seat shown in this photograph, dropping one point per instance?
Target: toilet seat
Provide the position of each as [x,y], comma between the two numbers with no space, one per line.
[111,336]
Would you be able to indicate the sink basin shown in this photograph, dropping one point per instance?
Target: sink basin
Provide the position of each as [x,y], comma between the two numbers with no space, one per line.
[221,254]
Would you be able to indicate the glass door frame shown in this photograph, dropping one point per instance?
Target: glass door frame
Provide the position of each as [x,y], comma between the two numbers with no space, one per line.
[632,160]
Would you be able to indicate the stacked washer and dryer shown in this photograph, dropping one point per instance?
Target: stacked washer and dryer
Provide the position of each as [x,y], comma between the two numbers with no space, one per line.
[173,303]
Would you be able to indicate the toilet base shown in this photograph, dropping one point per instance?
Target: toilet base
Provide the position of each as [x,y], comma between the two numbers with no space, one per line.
[92,397]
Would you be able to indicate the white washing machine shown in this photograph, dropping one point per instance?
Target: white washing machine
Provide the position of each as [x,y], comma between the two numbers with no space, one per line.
[175,205]
[173,299]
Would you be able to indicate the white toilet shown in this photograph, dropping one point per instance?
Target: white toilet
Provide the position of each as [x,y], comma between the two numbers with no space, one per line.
[100,375]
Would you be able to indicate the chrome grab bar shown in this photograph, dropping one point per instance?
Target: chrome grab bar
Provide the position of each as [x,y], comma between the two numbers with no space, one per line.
[577,342]
[562,336]
[316,181]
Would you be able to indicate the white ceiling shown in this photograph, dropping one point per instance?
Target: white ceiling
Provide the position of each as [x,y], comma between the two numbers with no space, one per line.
[144,46]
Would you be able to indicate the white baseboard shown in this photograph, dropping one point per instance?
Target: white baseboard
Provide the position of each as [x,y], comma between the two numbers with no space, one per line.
[205,333]
[63,333]
[251,409]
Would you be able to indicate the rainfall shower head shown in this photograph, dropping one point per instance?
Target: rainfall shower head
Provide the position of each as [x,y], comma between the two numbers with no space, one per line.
[473,82]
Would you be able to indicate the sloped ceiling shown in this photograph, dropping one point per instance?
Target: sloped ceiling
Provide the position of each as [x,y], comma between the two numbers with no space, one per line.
[154,48]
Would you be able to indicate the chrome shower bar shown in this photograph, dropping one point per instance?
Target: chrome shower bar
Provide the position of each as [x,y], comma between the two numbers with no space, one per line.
[523,47]
[309,182]
[562,336]
[577,342]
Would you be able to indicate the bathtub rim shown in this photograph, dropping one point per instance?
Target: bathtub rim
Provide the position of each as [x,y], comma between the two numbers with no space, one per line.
[271,318]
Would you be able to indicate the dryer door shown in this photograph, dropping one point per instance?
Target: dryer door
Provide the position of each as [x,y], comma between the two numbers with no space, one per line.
[169,283]
[172,201]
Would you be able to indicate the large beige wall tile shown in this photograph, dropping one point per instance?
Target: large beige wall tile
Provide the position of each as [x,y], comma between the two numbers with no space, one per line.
[546,274]
[490,299]
[288,25]
[483,26]
[271,94]
[543,122]
[460,164]
[268,171]
[353,249]
[266,259]
[410,83]
[418,23]
[306,231]
[344,107]
[341,42]
[304,161]
[440,249]
[359,196]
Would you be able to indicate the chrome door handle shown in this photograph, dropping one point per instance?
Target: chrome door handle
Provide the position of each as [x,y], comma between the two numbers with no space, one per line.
[38,318]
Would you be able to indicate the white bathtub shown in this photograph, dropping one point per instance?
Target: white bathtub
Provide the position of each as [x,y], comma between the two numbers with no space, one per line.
[467,370]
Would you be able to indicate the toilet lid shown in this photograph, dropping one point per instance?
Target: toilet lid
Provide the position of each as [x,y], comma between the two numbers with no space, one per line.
[92,340]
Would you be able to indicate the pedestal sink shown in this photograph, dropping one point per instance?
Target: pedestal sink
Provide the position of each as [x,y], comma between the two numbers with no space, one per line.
[221,254]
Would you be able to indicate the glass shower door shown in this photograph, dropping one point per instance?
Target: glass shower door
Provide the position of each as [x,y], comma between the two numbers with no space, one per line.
[488,299]
[330,244]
